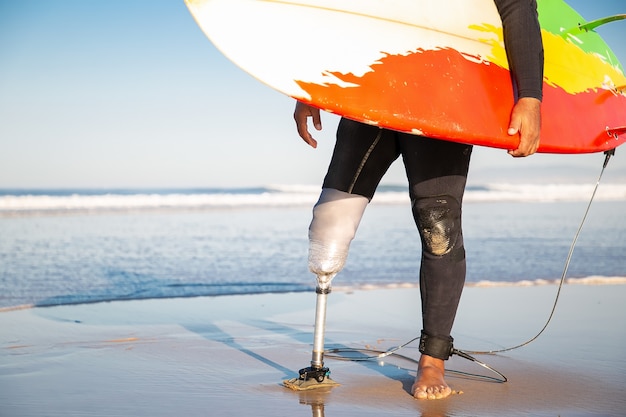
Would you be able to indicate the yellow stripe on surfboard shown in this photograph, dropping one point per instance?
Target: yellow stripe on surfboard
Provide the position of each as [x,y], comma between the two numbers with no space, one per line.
[562,57]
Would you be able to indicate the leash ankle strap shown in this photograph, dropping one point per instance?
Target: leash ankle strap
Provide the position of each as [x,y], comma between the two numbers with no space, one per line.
[436,346]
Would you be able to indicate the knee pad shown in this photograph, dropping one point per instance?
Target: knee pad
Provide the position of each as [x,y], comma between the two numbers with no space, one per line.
[336,217]
[439,221]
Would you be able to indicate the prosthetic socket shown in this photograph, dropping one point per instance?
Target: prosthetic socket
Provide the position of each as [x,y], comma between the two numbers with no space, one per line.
[336,217]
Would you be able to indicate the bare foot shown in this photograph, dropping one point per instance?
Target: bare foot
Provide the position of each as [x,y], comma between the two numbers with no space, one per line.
[429,383]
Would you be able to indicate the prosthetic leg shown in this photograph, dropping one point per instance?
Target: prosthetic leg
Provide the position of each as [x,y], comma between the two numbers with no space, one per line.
[336,217]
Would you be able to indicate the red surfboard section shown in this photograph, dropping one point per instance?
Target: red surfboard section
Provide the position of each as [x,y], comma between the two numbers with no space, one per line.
[452,110]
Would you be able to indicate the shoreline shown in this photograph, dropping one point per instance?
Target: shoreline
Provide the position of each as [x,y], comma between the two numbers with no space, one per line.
[590,280]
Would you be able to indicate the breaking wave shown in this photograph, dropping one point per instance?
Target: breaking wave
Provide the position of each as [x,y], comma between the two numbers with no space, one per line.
[16,202]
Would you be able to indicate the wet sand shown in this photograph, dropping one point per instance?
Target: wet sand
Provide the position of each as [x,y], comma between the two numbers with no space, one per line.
[227,356]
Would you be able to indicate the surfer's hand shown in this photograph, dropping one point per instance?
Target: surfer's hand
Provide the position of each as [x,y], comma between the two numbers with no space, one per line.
[526,121]
[301,114]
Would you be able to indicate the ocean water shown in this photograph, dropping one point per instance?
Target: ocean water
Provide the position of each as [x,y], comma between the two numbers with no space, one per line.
[77,246]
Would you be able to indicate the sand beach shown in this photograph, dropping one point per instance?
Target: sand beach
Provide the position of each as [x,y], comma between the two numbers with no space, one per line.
[227,355]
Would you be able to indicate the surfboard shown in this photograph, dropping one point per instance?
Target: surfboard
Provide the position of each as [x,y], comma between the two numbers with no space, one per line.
[429,68]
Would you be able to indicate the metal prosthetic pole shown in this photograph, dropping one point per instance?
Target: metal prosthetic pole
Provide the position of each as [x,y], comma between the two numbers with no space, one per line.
[336,217]
[317,373]
[317,359]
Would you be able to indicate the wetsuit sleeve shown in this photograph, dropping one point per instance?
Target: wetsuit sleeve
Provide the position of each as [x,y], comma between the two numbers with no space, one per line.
[524,47]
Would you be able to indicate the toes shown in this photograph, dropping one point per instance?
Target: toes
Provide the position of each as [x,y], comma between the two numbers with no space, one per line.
[435,393]
[431,393]
[421,395]
[443,391]
[419,392]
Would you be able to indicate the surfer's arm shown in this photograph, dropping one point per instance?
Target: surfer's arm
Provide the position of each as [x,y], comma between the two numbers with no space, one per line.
[524,48]
[301,115]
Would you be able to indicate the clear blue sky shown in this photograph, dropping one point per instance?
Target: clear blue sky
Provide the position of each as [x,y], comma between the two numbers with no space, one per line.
[129,93]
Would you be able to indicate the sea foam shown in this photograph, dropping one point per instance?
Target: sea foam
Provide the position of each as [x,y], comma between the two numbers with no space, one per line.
[62,201]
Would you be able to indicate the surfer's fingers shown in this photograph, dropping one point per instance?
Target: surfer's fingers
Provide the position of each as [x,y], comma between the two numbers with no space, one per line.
[524,149]
[301,114]
[528,145]
[317,119]
[303,131]
[526,121]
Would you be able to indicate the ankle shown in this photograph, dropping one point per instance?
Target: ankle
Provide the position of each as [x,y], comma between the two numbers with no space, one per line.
[427,361]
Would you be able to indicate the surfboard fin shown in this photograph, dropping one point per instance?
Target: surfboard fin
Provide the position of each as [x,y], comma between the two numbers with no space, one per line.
[587,26]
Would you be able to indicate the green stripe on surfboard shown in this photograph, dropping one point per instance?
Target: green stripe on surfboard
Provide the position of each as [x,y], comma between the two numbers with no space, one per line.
[552,15]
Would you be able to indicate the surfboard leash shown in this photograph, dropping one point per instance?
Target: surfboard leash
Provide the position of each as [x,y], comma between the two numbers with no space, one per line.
[467,354]
[608,154]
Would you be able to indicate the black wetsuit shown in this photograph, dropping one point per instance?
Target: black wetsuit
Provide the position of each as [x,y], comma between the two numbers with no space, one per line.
[437,173]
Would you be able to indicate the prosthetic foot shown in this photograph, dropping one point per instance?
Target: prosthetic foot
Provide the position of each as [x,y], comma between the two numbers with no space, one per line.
[336,217]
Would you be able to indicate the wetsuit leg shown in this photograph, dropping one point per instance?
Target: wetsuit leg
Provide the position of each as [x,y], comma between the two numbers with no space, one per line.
[362,155]
[437,172]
